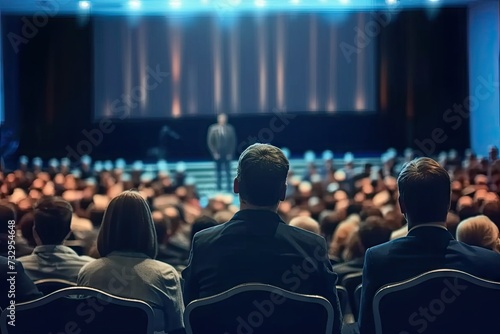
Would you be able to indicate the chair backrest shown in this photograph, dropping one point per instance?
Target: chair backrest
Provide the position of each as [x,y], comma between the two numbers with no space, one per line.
[351,282]
[259,308]
[343,298]
[439,301]
[80,310]
[357,301]
[49,285]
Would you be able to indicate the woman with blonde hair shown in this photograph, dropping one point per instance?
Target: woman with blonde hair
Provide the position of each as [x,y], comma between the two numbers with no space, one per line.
[127,268]
[479,231]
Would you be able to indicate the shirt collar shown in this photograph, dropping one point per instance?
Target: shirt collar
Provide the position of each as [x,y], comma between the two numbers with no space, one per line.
[54,249]
[428,225]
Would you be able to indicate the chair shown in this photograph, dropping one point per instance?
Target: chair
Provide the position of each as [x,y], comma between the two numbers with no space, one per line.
[357,302]
[343,298]
[49,285]
[80,310]
[259,308]
[439,301]
[351,282]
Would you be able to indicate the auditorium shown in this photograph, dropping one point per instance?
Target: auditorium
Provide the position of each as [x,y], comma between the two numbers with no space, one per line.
[249,166]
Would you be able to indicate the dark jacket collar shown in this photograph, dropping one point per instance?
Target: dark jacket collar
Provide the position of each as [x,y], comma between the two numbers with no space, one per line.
[258,215]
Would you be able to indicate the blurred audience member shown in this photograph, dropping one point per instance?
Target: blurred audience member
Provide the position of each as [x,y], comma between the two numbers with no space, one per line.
[479,231]
[50,258]
[305,223]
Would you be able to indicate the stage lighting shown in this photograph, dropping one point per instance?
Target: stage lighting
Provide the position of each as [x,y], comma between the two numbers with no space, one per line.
[84,5]
[391,2]
[260,3]
[344,2]
[294,2]
[433,0]
[309,156]
[134,4]
[327,155]
[175,3]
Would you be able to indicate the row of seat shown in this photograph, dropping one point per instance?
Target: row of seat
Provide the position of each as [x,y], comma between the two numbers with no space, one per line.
[440,301]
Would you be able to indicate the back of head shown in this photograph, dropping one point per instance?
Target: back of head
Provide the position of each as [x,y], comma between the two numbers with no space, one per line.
[305,223]
[373,231]
[479,231]
[7,213]
[201,223]
[492,211]
[127,226]
[424,191]
[261,175]
[52,220]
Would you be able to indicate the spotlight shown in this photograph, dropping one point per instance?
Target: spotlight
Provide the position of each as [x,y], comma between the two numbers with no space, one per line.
[84,5]
[175,3]
[260,3]
[134,4]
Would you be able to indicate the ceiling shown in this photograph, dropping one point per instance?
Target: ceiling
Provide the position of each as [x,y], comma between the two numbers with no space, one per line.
[166,7]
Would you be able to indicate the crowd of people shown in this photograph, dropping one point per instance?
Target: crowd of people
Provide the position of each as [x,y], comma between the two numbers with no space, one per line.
[138,235]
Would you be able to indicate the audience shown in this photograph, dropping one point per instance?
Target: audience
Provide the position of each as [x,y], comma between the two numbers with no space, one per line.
[424,197]
[50,258]
[256,245]
[341,196]
[128,246]
[479,231]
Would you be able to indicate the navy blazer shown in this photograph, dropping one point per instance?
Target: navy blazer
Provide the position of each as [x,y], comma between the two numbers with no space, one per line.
[424,249]
[257,246]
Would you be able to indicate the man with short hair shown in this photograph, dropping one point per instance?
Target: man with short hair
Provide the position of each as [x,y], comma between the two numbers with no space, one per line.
[424,198]
[221,140]
[256,245]
[51,259]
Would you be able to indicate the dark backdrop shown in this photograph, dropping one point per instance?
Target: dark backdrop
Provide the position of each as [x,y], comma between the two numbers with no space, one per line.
[421,72]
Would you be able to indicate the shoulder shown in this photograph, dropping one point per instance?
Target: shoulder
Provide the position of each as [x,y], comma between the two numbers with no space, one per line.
[25,259]
[302,236]
[207,234]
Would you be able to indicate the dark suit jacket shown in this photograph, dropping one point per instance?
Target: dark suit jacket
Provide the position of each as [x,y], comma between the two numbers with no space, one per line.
[424,249]
[257,246]
[25,289]
[222,143]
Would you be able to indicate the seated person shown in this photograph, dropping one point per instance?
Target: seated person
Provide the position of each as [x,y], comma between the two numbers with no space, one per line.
[479,231]
[51,259]
[305,223]
[371,232]
[25,289]
[256,245]
[127,268]
[424,198]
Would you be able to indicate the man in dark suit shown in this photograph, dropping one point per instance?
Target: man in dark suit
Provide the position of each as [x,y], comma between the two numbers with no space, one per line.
[221,141]
[424,197]
[256,245]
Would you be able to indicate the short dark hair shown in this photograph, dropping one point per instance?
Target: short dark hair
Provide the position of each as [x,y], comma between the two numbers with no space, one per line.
[262,173]
[425,190]
[52,220]
[128,226]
